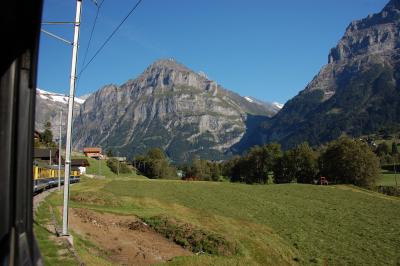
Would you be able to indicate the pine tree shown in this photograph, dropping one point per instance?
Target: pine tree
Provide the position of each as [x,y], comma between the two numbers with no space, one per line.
[47,135]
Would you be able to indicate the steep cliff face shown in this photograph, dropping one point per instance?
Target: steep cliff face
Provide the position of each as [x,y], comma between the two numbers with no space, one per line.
[48,107]
[366,42]
[357,92]
[168,106]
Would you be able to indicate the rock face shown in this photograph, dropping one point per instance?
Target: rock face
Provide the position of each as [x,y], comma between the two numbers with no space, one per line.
[48,106]
[357,92]
[168,106]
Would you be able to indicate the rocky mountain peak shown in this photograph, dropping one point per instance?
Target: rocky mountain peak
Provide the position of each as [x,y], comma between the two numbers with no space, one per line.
[167,65]
[168,106]
[376,33]
[167,74]
[393,4]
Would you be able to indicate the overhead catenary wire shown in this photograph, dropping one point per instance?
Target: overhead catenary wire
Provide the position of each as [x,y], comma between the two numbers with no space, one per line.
[109,37]
[92,30]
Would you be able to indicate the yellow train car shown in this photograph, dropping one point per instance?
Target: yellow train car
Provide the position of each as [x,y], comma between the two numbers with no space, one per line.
[46,176]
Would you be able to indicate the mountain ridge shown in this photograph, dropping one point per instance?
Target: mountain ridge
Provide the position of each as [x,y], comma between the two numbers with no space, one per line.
[356,93]
[168,106]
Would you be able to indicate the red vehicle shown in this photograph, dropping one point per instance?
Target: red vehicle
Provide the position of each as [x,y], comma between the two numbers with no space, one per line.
[323,180]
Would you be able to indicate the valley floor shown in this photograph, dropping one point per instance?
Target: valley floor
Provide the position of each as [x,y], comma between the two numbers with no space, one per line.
[270,224]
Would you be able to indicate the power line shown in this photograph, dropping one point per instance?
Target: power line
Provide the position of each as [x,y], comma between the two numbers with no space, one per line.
[101,3]
[109,37]
[92,30]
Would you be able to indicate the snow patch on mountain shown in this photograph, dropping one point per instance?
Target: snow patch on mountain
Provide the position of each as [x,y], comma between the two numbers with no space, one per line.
[278,105]
[248,99]
[56,97]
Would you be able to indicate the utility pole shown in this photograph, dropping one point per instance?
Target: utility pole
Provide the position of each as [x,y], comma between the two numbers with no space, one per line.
[59,153]
[395,163]
[118,163]
[67,167]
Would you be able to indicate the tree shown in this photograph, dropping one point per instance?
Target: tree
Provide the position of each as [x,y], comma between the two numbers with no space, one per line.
[254,166]
[395,149]
[382,149]
[110,153]
[350,162]
[306,164]
[202,170]
[240,169]
[231,170]
[261,161]
[118,167]
[155,165]
[156,154]
[282,170]
[47,135]
[299,164]
[215,170]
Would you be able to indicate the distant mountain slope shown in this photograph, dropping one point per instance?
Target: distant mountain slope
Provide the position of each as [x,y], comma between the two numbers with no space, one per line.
[357,92]
[48,106]
[168,106]
[275,106]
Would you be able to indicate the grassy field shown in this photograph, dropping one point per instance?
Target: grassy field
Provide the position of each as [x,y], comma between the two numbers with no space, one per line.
[54,252]
[100,168]
[388,179]
[271,224]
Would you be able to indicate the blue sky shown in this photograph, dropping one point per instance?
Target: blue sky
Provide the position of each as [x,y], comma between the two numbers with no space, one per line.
[261,48]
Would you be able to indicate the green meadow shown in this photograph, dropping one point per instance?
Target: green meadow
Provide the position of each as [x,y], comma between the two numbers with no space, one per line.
[389,179]
[270,224]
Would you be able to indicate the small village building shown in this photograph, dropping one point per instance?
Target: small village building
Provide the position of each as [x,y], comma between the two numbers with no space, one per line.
[93,152]
[48,155]
[80,164]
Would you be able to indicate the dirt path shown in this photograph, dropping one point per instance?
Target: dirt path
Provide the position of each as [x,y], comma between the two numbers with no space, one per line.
[126,239]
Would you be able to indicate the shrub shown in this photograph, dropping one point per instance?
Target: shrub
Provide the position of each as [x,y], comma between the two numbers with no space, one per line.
[118,167]
[191,237]
[350,162]
[389,190]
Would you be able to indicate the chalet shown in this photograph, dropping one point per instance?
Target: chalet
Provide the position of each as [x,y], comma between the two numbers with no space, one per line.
[81,164]
[77,164]
[93,152]
[46,154]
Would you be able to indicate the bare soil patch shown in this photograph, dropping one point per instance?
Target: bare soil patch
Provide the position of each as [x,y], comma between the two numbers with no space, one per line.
[126,239]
